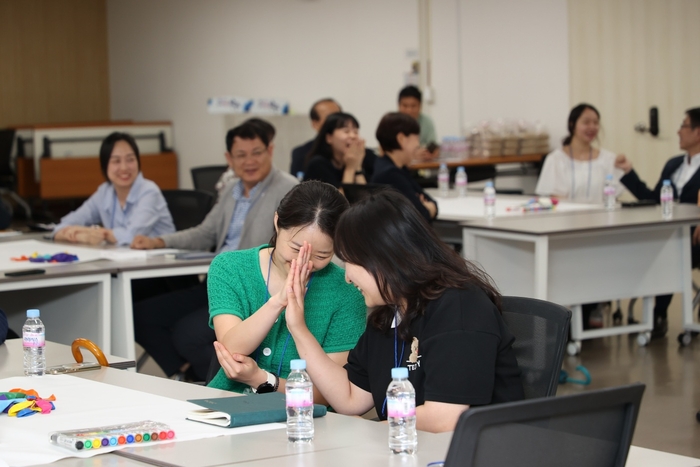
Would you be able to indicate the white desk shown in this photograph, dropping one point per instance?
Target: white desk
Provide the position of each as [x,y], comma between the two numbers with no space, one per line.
[588,257]
[91,299]
[339,441]
[74,300]
[122,318]
[459,209]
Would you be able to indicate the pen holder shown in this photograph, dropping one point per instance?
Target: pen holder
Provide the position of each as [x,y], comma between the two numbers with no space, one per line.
[92,347]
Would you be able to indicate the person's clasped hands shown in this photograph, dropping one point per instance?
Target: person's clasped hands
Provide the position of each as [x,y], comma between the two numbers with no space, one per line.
[243,368]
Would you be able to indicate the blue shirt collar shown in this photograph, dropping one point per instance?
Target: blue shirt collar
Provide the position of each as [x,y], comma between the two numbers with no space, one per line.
[134,192]
[238,191]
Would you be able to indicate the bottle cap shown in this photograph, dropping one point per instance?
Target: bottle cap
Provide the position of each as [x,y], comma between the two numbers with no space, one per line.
[298,364]
[489,184]
[667,182]
[33,313]
[399,373]
[460,169]
[443,166]
[609,177]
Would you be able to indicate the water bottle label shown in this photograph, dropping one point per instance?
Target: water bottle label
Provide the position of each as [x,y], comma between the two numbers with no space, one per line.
[489,200]
[609,191]
[299,398]
[666,197]
[33,339]
[444,178]
[401,407]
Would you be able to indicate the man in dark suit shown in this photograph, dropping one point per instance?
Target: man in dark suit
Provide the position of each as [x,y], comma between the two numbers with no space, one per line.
[318,113]
[685,179]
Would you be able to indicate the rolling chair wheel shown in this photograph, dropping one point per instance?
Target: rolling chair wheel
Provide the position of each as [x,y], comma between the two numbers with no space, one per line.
[643,338]
[685,338]
[573,348]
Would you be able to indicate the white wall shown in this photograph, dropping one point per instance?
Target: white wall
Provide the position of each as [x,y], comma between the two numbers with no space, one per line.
[167,57]
[514,57]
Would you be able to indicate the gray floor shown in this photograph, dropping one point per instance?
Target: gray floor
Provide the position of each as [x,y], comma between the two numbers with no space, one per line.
[672,376]
[671,373]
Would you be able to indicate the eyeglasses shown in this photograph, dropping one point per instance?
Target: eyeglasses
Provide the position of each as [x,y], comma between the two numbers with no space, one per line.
[255,154]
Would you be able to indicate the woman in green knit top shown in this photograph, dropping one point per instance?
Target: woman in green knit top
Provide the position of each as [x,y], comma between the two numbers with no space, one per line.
[247,295]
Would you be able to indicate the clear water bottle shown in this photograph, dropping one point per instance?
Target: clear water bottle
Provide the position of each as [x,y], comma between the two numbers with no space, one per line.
[489,200]
[401,413]
[33,341]
[609,193]
[461,182]
[667,200]
[444,181]
[300,404]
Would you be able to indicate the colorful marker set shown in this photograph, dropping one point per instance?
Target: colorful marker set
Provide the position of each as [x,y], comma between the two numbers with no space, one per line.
[114,435]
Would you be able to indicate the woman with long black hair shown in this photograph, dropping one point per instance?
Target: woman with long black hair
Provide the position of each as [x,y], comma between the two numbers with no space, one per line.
[248,295]
[435,313]
[338,154]
[577,171]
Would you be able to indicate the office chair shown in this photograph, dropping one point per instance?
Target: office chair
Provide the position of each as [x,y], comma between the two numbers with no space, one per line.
[188,207]
[589,429]
[205,178]
[8,178]
[541,332]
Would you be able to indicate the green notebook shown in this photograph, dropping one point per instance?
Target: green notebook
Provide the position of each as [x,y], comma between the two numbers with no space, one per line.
[252,409]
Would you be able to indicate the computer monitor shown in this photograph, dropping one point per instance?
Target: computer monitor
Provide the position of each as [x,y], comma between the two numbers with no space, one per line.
[591,429]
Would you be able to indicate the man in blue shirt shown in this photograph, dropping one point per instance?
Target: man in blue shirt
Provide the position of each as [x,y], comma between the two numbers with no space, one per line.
[173,328]
[684,175]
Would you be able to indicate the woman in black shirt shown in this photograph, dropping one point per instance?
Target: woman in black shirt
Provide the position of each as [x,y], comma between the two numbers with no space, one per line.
[338,152]
[435,313]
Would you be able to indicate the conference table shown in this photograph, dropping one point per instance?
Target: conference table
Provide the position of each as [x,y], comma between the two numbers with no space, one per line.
[476,161]
[339,440]
[580,254]
[89,299]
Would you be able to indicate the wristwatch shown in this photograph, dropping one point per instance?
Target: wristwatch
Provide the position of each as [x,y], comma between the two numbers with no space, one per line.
[270,385]
[359,172]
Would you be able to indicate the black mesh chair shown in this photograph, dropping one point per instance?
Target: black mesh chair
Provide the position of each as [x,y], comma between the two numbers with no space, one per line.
[204,178]
[541,334]
[8,178]
[188,207]
[590,429]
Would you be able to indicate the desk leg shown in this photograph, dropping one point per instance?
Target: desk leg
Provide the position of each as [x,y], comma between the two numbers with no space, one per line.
[574,346]
[687,278]
[541,267]
[468,245]
[122,318]
[105,298]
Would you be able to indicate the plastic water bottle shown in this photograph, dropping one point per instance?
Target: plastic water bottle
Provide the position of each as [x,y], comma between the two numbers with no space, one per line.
[609,193]
[33,341]
[461,182]
[667,200]
[300,404]
[401,413]
[489,200]
[444,181]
